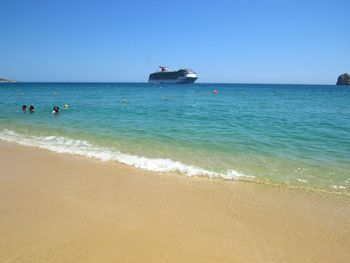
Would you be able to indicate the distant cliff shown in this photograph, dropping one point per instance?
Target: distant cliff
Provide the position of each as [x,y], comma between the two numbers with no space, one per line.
[2,80]
[344,79]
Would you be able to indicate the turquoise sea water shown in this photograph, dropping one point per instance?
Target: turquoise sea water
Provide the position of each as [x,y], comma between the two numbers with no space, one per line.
[296,135]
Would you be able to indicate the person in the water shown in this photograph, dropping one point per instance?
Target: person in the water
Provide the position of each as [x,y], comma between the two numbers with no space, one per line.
[24,107]
[56,110]
[31,109]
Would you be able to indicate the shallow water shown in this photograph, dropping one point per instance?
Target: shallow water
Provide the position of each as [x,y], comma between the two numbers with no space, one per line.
[297,135]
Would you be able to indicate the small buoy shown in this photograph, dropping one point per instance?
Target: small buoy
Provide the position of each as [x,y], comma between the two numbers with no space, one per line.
[216,91]
[66,106]
[125,101]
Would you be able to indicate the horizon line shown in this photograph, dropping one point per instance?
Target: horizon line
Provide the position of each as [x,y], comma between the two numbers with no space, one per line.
[136,82]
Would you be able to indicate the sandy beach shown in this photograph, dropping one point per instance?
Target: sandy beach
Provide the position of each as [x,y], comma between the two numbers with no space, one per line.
[65,208]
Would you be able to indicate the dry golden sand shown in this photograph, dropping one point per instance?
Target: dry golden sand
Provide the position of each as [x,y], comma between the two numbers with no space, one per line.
[59,208]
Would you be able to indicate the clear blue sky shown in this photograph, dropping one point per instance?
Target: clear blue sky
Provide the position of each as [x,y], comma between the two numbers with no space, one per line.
[257,41]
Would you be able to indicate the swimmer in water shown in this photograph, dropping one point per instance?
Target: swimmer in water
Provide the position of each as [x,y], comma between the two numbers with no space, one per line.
[56,110]
[31,109]
[24,107]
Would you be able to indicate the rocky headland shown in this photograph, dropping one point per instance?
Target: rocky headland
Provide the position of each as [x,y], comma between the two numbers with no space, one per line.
[2,80]
[343,79]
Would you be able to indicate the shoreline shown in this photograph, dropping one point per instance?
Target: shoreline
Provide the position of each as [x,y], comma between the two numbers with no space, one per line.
[56,207]
[140,162]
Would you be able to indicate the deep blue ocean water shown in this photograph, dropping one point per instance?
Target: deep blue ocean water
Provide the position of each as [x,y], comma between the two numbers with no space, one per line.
[295,135]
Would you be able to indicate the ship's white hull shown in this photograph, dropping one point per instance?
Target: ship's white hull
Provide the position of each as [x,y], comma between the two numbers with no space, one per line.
[179,80]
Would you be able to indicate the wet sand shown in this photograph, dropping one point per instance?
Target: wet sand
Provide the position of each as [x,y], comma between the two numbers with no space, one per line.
[64,208]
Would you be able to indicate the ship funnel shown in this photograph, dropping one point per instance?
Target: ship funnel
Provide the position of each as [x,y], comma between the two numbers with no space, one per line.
[163,68]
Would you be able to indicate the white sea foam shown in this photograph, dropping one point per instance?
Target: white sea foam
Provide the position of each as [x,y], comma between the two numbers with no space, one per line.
[302,180]
[84,148]
[339,187]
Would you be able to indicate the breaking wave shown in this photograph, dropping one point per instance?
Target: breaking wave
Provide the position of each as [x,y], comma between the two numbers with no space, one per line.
[61,144]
